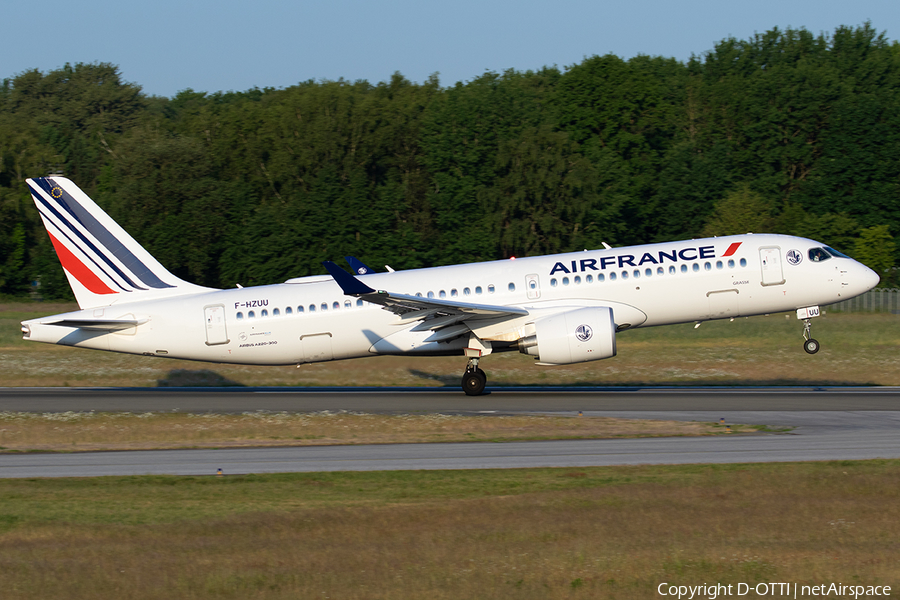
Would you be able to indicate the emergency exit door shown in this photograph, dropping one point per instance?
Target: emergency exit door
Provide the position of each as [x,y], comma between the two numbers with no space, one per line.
[532,286]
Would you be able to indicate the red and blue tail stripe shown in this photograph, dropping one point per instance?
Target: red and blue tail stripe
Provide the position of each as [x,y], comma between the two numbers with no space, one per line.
[88,250]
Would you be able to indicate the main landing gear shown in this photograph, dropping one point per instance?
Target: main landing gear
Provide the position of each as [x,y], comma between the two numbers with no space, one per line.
[809,344]
[474,379]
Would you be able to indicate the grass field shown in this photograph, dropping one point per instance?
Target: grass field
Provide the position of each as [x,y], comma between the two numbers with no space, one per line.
[613,532]
[530,534]
[856,349]
[80,432]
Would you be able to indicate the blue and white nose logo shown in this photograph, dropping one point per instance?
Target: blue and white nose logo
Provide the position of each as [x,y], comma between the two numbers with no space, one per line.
[583,333]
[794,257]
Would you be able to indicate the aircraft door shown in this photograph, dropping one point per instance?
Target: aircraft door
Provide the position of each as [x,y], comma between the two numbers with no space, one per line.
[533,286]
[215,325]
[316,347]
[723,303]
[770,263]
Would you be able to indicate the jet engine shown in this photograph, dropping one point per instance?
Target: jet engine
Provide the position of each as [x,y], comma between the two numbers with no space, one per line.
[573,336]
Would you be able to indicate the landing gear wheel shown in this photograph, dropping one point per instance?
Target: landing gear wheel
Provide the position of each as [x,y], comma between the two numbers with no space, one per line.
[811,346]
[473,382]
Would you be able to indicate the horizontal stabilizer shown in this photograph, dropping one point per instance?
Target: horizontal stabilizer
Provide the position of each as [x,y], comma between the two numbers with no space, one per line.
[99,324]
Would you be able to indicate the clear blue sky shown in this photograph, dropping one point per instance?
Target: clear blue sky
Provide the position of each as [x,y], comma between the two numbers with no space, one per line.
[169,45]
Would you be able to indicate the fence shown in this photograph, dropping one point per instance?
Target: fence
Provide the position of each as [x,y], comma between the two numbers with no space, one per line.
[883,300]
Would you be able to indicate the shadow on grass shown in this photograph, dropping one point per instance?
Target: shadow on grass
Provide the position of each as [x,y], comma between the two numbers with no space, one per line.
[453,380]
[445,379]
[199,378]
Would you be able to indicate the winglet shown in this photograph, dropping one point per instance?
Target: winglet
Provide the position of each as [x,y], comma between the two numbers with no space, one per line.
[350,284]
[358,266]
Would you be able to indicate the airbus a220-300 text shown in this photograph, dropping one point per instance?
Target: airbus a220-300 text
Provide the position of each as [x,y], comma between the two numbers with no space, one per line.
[561,309]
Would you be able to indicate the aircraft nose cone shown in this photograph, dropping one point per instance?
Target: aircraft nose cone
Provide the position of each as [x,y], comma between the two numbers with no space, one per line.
[870,278]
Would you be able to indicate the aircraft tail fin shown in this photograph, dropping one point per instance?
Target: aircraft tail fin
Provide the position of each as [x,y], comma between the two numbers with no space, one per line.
[103,263]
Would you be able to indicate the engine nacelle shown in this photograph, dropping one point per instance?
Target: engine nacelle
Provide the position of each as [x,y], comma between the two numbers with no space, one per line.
[574,336]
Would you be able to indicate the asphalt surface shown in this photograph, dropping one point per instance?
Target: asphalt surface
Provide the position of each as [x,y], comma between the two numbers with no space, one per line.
[827,424]
[417,400]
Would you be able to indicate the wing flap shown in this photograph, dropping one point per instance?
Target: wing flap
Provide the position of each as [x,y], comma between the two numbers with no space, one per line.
[449,333]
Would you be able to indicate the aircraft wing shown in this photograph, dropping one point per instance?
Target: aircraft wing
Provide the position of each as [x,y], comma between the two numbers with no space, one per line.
[434,313]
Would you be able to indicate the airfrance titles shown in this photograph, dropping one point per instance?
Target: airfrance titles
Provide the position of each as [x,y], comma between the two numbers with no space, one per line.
[630,260]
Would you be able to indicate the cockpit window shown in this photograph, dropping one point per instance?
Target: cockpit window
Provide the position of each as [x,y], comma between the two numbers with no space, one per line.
[835,253]
[818,255]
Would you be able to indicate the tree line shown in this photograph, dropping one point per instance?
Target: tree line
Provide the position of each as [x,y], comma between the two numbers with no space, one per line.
[784,132]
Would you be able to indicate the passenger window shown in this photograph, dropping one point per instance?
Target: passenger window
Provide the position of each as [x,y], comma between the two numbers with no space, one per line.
[240,316]
[359,303]
[589,279]
[336,305]
[671,270]
[553,282]
[648,272]
[418,294]
[312,308]
[477,290]
[637,273]
[467,292]
[431,294]
[324,306]
[660,271]
[565,281]
[264,313]
[695,267]
[453,293]
[624,274]
[577,280]
[276,312]
[707,266]
[348,304]
[730,263]
[719,264]
[251,314]
[299,310]
[442,294]
[601,278]
[612,276]
[684,268]
[743,262]
[512,286]
[288,311]
[491,289]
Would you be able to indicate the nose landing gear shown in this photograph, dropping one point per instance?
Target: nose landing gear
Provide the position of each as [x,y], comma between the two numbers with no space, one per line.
[805,314]
[811,345]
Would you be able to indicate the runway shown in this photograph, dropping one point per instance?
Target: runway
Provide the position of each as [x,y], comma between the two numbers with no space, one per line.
[451,400]
[829,424]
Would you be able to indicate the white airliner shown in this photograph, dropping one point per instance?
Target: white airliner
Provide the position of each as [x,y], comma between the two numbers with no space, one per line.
[561,309]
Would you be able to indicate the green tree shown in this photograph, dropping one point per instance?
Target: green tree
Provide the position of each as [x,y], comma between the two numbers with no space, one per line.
[740,211]
[875,249]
